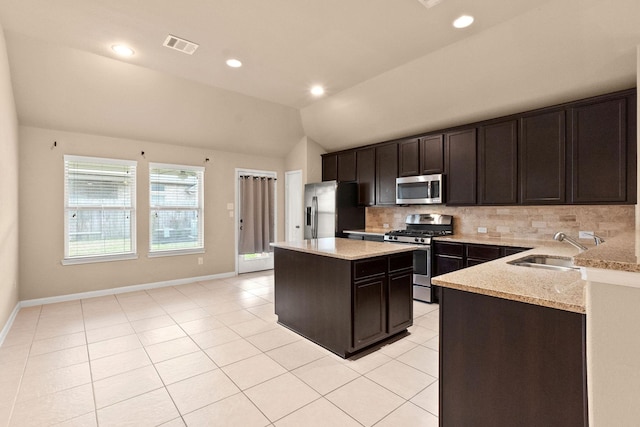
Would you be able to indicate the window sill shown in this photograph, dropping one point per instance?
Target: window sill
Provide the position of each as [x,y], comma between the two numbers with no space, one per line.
[95,259]
[176,252]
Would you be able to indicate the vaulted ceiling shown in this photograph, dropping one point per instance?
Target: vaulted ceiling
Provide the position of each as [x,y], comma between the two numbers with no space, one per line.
[390,68]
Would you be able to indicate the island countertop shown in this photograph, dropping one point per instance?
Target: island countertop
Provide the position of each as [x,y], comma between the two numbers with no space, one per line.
[347,249]
[564,290]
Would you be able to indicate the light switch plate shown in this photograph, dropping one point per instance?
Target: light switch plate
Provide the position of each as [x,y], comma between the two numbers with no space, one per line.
[229,206]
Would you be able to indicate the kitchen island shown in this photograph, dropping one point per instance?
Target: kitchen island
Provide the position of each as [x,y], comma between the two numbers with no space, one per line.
[344,294]
[512,344]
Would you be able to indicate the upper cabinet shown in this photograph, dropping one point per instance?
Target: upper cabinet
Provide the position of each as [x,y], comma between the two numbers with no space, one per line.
[386,173]
[431,154]
[409,157]
[347,166]
[366,176]
[582,152]
[420,156]
[460,167]
[329,167]
[498,163]
[599,152]
[542,158]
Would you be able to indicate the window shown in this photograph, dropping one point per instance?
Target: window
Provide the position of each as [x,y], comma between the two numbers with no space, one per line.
[99,209]
[177,218]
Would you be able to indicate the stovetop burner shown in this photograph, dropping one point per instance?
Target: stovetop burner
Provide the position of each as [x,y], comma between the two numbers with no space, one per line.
[420,229]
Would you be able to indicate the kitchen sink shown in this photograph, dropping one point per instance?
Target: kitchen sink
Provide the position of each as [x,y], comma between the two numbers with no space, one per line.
[546,261]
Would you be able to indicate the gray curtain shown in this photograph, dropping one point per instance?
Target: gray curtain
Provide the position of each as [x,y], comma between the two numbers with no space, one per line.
[257,209]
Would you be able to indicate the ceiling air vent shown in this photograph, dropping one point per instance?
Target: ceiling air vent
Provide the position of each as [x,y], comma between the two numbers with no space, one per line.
[429,3]
[184,46]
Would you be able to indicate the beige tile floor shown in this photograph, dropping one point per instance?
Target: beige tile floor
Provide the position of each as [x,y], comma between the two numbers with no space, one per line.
[206,354]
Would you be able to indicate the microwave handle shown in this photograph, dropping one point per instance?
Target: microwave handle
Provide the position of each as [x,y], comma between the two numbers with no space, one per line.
[429,189]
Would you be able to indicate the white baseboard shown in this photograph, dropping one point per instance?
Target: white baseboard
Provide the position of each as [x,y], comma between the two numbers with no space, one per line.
[9,324]
[103,292]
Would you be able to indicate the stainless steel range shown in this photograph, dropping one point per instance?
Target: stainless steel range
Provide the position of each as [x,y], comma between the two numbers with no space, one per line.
[420,228]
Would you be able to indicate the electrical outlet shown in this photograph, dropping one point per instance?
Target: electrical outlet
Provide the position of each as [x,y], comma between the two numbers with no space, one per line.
[385,225]
[585,235]
[230,214]
[229,206]
[482,230]
[200,260]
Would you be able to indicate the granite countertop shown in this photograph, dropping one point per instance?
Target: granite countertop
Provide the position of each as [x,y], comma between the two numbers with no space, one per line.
[347,249]
[621,253]
[563,290]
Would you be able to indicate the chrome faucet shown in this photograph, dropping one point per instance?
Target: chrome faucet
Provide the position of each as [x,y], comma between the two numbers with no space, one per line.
[597,239]
[560,236]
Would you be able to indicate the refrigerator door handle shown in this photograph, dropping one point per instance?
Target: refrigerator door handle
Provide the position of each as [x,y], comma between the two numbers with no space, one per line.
[314,210]
[308,221]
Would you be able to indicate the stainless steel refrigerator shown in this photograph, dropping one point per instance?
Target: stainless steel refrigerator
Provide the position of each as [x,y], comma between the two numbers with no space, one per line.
[331,208]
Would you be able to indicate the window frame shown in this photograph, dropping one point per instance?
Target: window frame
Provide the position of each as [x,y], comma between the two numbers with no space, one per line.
[85,259]
[199,170]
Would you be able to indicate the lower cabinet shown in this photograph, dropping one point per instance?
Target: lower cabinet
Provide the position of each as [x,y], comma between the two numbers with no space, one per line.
[508,363]
[452,256]
[343,305]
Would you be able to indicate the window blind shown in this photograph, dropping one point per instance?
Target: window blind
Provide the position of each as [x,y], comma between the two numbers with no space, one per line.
[99,207]
[177,212]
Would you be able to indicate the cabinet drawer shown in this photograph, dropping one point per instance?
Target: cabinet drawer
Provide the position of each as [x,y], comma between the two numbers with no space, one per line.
[369,267]
[400,262]
[453,249]
[484,252]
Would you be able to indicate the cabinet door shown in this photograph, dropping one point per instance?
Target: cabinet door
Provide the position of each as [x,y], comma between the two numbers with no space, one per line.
[409,158]
[400,314]
[443,264]
[369,311]
[498,164]
[347,166]
[599,152]
[542,158]
[431,154]
[386,174]
[460,167]
[329,167]
[366,174]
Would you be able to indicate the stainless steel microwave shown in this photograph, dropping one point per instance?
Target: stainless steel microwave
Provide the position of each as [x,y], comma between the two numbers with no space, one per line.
[420,190]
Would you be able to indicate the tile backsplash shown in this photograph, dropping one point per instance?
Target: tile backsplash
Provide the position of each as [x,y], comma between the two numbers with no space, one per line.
[522,222]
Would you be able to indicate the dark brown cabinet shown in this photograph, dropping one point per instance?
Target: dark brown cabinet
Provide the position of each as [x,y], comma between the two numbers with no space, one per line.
[347,166]
[542,158]
[344,305]
[507,363]
[369,311]
[431,154]
[366,176]
[386,174]
[599,152]
[329,167]
[409,157]
[460,167]
[452,256]
[582,152]
[498,163]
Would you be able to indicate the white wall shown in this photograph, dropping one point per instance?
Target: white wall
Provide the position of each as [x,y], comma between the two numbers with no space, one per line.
[8,190]
[41,212]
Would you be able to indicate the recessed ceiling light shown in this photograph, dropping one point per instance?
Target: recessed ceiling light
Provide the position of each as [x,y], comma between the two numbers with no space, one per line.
[122,50]
[463,21]
[234,63]
[317,90]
